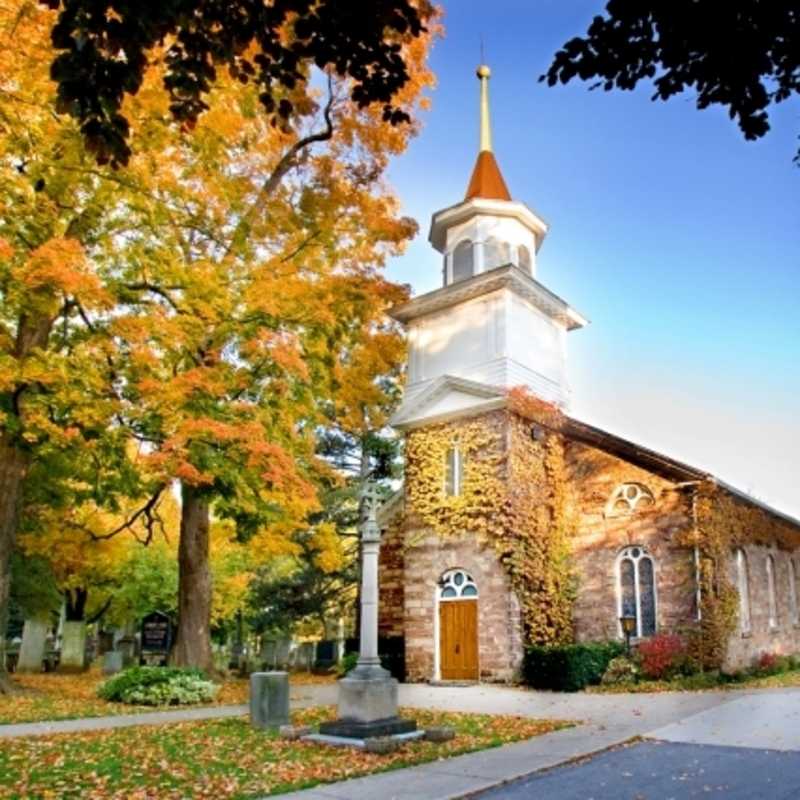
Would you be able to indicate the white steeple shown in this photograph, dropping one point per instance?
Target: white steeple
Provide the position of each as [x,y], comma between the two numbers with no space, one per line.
[492,326]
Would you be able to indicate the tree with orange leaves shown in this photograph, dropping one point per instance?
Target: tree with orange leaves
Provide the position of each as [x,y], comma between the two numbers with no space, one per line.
[200,301]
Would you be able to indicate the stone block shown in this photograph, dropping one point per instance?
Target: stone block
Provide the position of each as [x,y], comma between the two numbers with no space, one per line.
[269,699]
[294,732]
[369,698]
[440,733]
[382,745]
[113,662]
[34,639]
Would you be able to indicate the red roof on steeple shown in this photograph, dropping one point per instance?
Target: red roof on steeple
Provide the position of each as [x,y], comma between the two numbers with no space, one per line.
[487,181]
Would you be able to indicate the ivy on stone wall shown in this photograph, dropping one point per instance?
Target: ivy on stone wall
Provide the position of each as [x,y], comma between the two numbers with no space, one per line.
[513,498]
[723,523]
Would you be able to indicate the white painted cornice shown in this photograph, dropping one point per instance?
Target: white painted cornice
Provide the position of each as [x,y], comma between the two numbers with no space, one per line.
[415,412]
[480,206]
[509,276]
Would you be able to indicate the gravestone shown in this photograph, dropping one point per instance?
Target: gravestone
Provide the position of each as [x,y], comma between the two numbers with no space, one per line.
[73,647]
[156,639]
[113,662]
[34,640]
[269,699]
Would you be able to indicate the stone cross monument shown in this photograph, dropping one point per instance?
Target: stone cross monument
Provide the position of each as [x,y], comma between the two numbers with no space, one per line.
[368,693]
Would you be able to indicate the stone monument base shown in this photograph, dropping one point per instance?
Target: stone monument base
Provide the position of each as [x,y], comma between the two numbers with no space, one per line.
[367,706]
[353,729]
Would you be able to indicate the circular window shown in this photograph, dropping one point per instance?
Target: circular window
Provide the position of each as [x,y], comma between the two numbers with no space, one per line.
[456,584]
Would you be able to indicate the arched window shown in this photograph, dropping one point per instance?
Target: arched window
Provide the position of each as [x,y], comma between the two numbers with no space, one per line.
[457,584]
[773,604]
[463,261]
[628,498]
[743,587]
[495,253]
[453,472]
[524,258]
[795,612]
[637,588]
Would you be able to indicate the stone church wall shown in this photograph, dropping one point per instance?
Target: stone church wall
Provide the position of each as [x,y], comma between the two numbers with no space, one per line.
[499,639]
[602,534]
[745,647]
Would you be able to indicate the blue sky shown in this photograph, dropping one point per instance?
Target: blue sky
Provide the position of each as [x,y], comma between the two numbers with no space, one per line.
[678,239]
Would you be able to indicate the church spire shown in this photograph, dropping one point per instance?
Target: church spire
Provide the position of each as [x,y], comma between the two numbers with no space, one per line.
[486,181]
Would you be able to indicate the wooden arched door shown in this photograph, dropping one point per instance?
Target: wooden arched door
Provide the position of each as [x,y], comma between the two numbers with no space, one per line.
[458,627]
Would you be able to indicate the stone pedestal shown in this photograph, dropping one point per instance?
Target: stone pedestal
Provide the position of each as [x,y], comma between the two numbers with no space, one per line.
[367,706]
[34,639]
[269,699]
[368,693]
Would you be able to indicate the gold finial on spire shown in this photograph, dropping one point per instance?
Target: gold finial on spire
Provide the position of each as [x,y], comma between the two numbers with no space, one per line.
[484,73]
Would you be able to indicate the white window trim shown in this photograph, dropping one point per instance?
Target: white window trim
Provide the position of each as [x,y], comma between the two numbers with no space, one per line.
[743,587]
[772,598]
[793,609]
[625,554]
[437,598]
[458,471]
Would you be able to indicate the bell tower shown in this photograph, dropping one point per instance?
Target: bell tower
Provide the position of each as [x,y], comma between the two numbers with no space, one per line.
[492,326]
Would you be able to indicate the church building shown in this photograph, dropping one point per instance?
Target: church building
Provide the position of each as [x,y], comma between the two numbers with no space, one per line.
[518,524]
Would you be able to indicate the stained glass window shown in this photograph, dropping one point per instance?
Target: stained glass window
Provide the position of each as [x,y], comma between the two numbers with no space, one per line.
[637,589]
[457,583]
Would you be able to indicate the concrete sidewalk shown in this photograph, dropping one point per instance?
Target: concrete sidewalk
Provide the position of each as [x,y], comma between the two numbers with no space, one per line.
[608,720]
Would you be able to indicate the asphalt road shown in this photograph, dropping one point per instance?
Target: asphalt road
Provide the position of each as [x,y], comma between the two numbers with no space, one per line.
[665,771]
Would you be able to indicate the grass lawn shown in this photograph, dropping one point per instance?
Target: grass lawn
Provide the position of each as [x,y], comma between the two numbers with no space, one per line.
[52,696]
[703,682]
[223,758]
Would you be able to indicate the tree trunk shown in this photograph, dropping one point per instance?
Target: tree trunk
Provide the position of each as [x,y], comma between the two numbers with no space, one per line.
[13,466]
[32,334]
[193,642]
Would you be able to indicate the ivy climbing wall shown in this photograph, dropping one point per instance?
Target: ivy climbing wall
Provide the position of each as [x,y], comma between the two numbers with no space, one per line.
[537,528]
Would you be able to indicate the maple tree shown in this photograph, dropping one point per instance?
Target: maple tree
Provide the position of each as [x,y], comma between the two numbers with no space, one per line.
[199,302]
[104,48]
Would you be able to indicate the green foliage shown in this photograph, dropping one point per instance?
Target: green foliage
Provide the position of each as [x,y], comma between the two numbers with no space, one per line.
[620,670]
[248,36]
[568,668]
[158,686]
[347,662]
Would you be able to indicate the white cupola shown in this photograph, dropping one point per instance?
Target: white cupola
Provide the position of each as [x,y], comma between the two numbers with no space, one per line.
[492,326]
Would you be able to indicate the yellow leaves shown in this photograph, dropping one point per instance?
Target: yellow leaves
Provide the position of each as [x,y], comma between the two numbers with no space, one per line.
[325,541]
[56,269]
[513,496]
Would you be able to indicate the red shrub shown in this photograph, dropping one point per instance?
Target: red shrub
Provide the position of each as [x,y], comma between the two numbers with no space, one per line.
[768,662]
[661,655]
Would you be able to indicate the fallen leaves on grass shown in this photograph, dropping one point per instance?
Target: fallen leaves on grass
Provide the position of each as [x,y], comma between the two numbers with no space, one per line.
[222,758]
[54,696]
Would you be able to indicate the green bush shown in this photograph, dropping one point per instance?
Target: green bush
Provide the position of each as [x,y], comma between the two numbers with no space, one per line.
[158,686]
[620,670]
[347,662]
[568,668]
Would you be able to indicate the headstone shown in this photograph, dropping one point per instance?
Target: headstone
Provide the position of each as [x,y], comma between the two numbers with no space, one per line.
[269,699]
[156,638]
[73,647]
[126,646]
[34,640]
[112,662]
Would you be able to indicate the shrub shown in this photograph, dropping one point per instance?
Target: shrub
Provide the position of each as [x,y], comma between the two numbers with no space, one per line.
[347,662]
[158,686]
[662,656]
[568,668]
[620,670]
[771,664]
